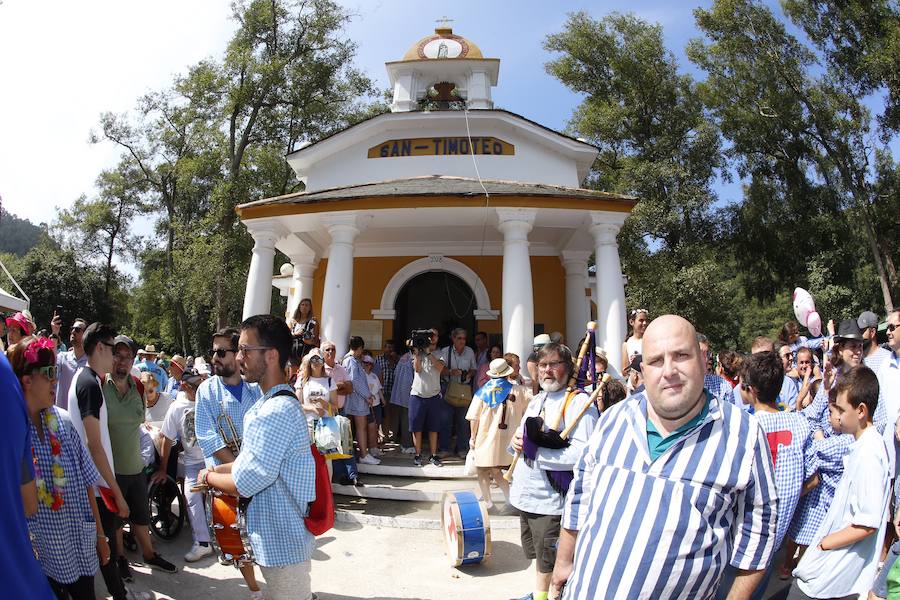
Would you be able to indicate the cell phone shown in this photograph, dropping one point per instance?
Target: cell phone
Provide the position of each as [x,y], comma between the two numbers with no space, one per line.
[58,310]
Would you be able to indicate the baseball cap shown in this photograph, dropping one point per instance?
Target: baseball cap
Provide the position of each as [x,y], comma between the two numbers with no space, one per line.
[867,319]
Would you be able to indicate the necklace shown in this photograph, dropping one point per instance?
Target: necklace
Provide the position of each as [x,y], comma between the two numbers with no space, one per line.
[52,499]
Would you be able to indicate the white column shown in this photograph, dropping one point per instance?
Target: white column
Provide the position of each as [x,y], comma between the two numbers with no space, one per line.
[258,296]
[337,297]
[610,295]
[578,307]
[518,295]
[302,284]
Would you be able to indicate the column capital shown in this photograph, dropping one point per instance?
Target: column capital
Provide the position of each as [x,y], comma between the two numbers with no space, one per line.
[575,259]
[343,227]
[265,232]
[515,223]
[605,227]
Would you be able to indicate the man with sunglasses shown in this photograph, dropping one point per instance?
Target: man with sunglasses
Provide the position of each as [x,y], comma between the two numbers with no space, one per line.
[225,393]
[67,363]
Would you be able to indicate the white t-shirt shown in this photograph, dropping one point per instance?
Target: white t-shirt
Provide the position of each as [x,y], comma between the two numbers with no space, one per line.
[374,386]
[157,413]
[178,425]
[316,387]
[427,382]
[861,498]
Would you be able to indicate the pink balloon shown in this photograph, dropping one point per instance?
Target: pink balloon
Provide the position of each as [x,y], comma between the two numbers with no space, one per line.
[814,324]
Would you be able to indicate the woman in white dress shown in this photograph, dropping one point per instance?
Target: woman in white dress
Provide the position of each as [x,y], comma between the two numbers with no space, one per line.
[633,346]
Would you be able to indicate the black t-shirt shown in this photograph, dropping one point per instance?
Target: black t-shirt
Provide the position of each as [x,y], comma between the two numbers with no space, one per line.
[89,393]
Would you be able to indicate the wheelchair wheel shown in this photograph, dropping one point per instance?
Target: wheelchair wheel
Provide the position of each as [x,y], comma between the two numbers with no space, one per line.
[167,509]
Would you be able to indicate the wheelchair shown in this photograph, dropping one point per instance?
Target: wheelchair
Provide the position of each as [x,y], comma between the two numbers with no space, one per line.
[167,504]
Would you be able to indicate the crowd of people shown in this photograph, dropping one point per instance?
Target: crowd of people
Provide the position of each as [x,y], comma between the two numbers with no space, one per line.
[679,473]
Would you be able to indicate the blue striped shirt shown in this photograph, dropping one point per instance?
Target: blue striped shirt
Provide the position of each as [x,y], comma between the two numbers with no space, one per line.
[667,528]
[276,468]
[212,398]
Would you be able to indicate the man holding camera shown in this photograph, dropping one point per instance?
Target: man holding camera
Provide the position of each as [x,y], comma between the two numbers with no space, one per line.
[425,402]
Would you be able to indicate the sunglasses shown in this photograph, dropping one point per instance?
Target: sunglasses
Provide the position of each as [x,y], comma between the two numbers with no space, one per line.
[745,386]
[891,327]
[48,372]
[316,359]
[221,352]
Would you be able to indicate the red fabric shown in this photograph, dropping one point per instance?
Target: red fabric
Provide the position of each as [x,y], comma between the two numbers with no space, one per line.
[321,510]
[779,437]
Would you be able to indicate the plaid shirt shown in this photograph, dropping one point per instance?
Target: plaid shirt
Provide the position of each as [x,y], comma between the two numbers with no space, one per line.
[384,368]
[789,439]
[66,539]
[825,457]
[276,468]
[212,398]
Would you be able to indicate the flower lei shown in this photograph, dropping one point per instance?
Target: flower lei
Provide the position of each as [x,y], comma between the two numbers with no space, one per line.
[52,499]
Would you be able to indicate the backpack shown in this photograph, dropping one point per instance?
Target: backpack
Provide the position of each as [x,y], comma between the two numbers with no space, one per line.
[321,510]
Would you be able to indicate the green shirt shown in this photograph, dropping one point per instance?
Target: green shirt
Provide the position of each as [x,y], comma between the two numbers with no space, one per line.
[126,415]
[658,444]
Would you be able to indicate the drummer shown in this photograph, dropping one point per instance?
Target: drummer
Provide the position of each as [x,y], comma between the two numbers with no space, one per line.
[539,480]
[499,403]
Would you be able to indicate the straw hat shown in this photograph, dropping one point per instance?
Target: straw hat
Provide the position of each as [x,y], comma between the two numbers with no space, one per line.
[499,368]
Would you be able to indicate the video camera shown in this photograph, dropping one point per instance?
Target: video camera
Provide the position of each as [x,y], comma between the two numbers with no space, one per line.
[419,339]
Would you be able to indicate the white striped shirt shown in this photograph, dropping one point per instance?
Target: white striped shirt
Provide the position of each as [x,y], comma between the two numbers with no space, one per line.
[667,528]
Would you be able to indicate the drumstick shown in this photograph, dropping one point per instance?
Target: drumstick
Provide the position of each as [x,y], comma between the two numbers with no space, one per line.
[591,327]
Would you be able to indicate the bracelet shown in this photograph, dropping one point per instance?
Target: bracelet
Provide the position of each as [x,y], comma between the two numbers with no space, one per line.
[101,536]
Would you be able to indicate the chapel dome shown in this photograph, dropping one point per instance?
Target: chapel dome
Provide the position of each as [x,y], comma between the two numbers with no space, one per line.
[443,43]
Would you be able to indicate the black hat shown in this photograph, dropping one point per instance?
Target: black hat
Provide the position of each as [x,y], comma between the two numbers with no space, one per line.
[124,339]
[848,330]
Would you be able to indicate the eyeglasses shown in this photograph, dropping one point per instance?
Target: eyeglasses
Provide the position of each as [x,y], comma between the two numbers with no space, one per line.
[78,330]
[316,359]
[221,352]
[123,357]
[891,327]
[550,365]
[245,349]
[48,372]
[745,386]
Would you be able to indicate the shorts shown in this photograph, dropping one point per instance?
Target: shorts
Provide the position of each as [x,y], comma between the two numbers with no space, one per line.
[376,415]
[426,414]
[134,488]
[540,534]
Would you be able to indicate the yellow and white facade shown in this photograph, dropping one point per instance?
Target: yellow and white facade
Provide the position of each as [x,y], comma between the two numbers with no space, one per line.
[486,196]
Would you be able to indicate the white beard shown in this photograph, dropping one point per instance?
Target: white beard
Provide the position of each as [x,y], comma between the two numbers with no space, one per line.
[552,387]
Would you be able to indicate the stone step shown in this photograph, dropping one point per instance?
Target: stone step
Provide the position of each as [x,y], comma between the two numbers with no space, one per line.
[404,515]
[401,465]
[409,489]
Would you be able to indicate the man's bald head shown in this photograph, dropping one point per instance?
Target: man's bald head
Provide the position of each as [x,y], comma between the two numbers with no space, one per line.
[673,371]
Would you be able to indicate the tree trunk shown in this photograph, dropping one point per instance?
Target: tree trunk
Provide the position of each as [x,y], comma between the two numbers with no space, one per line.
[876,253]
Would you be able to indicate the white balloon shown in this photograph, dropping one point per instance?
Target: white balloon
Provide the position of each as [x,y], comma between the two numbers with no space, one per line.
[803,305]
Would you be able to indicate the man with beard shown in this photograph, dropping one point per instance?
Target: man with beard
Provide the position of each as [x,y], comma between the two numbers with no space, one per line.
[674,485]
[539,486]
[67,363]
[275,467]
[225,393]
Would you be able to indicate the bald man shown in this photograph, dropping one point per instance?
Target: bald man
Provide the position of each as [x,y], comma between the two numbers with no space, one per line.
[674,486]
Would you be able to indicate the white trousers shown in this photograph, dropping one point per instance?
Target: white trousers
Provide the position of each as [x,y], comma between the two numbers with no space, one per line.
[196,506]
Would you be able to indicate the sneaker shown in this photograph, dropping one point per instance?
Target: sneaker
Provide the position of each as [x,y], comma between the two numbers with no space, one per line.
[409,450]
[257,595]
[158,562]
[376,452]
[417,460]
[134,595]
[368,459]
[197,552]
[125,570]
[435,461]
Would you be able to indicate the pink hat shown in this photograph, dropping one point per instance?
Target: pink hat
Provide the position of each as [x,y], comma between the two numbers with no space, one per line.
[21,321]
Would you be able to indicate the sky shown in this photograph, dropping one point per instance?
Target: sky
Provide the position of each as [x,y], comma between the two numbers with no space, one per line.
[65,63]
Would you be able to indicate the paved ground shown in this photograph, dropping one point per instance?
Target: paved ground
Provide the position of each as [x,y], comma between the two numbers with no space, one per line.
[376,563]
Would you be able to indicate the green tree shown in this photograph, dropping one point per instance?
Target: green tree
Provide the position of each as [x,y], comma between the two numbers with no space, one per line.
[99,228]
[793,127]
[657,143]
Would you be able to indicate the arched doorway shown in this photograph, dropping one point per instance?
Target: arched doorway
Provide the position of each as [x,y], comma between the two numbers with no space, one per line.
[434,299]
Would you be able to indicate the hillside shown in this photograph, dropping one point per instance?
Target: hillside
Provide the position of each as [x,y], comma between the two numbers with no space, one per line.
[17,236]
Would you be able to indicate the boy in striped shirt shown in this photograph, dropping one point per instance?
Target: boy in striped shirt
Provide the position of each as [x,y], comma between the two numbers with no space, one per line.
[844,559]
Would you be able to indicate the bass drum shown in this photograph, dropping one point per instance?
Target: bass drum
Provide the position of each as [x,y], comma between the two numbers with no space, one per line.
[227,520]
[467,528]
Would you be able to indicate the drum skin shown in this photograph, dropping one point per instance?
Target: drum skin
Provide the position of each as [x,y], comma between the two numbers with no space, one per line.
[227,529]
[467,528]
